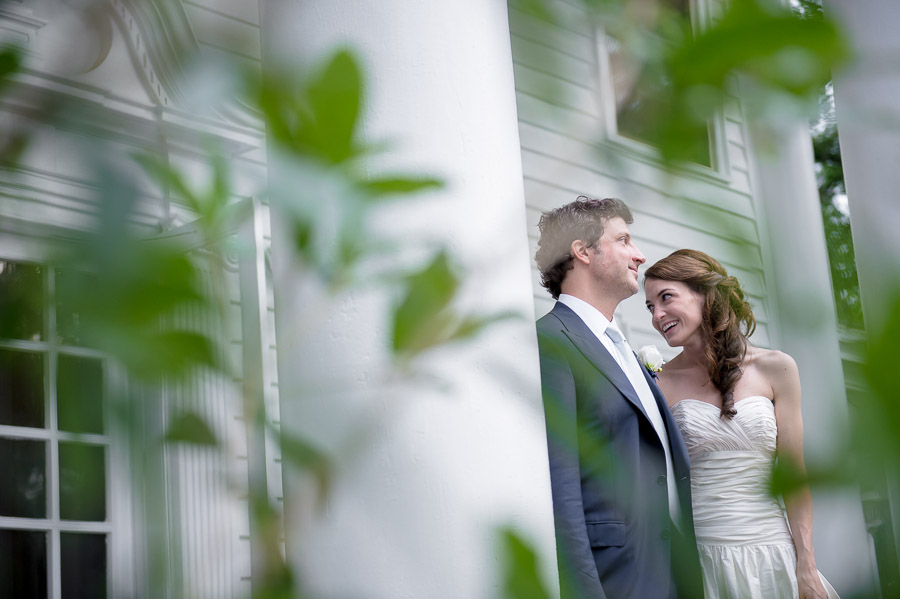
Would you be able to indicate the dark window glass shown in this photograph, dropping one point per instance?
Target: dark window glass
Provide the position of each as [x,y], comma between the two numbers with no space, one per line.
[79,394]
[23,491]
[21,388]
[83,562]
[70,286]
[82,482]
[21,301]
[23,564]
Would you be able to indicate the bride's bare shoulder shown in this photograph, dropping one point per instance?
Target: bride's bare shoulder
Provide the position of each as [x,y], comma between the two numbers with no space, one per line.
[771,363]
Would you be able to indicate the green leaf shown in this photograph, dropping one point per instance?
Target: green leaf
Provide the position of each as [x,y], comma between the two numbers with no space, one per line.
[785,59]
[521,574]
[167,177]
[767,41]
[877,412]
[303,455]
[400,184]
[421,320]
[221,185]
[471,325]
[148,354]
[317,118]
[303,238]
[189,427]
[10,64]
[334,97]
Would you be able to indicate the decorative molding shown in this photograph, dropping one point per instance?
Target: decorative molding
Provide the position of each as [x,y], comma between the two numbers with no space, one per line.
[25,25]
[159,34]
[160,37]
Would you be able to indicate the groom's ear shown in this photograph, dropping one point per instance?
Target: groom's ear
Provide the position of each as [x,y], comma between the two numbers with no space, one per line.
[580,251]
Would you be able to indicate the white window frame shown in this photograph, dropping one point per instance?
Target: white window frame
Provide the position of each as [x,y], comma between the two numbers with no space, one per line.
[719,168]
[120,546]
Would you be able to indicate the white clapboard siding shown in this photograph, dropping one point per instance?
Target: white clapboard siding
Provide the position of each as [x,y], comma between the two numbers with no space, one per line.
[567,152]
[207,483]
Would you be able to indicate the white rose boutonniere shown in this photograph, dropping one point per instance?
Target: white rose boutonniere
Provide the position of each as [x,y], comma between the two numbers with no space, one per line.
[651,358]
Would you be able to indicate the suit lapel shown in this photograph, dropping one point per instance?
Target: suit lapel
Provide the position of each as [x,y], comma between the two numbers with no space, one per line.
[680,459]
[588,344]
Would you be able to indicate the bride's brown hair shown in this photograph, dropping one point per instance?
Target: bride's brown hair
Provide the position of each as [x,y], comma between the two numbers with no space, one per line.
[727,317]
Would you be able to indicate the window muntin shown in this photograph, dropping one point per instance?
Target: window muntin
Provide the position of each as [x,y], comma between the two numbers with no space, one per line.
[54,443]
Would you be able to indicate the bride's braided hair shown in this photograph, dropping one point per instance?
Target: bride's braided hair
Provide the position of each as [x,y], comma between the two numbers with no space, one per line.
[727,317]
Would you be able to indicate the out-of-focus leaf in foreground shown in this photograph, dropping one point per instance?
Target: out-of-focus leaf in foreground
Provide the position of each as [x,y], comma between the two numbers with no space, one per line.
[189,427]
[878,412]
[521,575]
[425,318]
[128,292]
[316,118]
[10,64]
[380,187]
[781,60]
[306,457]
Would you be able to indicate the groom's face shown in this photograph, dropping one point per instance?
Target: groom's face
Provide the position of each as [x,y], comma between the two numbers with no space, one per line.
[616,261]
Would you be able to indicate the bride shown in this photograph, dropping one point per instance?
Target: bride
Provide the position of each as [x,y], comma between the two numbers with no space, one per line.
[738,406]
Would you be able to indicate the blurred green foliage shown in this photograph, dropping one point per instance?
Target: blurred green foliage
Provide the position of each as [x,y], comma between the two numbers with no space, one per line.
[313,122]
[128,290]
[521,571]
[776,57]
[777,60]
[838,235]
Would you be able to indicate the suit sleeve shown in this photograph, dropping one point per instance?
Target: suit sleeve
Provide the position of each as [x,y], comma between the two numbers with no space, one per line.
[577,570]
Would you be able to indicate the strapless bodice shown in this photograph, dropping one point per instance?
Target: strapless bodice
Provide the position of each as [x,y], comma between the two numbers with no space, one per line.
[743,540]
[731,465]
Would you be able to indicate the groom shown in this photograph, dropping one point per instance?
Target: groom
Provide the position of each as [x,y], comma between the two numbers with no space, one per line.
[618,465]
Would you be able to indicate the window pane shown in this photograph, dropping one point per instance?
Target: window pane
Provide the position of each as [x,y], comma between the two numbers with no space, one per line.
[21,388]
[83,562]
[79,394]
[21,301]
[23,491]
[23,563]
[642,94]
[82,482]
[70,285]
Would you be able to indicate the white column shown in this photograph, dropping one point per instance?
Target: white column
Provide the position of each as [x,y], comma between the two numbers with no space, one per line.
[868,115]
[868,112]
[413,513]
[802,303]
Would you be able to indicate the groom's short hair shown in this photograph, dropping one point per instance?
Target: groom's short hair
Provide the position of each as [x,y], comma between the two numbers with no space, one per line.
[582,219]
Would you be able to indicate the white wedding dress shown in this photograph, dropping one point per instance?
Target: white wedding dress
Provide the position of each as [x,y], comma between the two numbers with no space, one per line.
[745,545]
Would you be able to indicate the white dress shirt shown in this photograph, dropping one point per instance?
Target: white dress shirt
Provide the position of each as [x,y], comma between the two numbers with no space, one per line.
[628,362]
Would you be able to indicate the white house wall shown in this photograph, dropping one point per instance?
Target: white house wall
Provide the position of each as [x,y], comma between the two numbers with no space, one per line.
[759,218]
[566,152]
[129,103]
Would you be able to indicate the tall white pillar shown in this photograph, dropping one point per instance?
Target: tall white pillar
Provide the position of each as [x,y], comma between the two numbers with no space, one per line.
[413,513]
[868,116]
[801,299]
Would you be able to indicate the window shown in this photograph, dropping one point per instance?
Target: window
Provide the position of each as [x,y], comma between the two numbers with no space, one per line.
[55,443]
[635,88]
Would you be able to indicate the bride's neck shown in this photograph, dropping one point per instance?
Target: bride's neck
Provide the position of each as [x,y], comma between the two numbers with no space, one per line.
[694,353]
